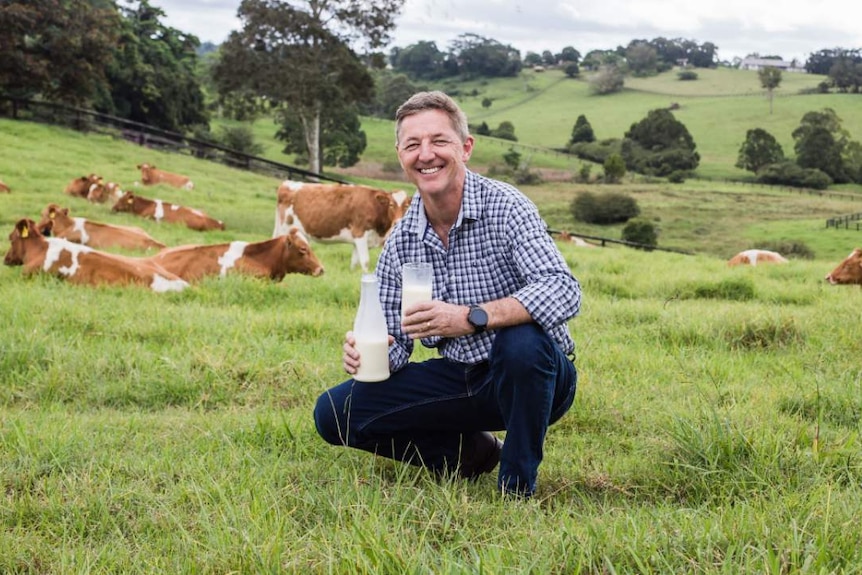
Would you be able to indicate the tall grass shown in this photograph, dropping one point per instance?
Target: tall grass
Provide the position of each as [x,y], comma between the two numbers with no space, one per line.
[715,428]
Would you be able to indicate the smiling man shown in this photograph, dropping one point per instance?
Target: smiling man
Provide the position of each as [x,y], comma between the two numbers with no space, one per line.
[502,299]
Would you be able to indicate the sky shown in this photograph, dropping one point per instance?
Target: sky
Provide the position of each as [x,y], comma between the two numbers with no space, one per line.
[792,29]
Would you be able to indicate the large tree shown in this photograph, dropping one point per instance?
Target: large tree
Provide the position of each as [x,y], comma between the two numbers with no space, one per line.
[759,149]
[152,78]
[300,54]
[56,49]
[820,141]
[659,145]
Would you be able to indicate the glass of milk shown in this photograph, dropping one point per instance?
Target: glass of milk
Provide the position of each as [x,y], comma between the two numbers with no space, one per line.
[417,279]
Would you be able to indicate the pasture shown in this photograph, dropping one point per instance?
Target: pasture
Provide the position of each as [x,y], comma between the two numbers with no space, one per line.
[715,429]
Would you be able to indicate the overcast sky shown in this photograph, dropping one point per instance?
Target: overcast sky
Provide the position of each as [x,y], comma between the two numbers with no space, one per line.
[787,28]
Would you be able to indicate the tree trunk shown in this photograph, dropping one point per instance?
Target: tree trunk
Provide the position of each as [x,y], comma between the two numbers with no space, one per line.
[311,126]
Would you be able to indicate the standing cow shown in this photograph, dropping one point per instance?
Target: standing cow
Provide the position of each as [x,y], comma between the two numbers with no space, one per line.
[360,215]
[848,271]
[150,176]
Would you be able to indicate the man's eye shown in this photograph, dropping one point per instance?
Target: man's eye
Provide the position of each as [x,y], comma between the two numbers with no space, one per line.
[411,147]
[441,142]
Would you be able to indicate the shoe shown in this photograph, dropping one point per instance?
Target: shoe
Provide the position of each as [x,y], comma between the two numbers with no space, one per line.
[480,454]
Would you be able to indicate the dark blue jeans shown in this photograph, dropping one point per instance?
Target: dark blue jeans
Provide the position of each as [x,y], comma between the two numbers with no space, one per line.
[424,412]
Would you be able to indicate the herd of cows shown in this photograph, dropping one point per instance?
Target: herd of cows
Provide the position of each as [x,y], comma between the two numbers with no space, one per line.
[72,248]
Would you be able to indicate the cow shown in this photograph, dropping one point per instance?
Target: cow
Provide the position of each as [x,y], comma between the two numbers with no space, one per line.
[102,191]
[754,257]
[4,188]
[150,176]
[273,258]
[569,238]
[57,222]
[79,264]
[166,211]
[80,187]
[355,214]
[848,271]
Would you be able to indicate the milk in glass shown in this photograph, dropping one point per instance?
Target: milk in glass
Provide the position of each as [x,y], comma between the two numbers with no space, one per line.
[416,284]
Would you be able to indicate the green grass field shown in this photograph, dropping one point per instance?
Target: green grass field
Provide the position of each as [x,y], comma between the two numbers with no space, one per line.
[715,429]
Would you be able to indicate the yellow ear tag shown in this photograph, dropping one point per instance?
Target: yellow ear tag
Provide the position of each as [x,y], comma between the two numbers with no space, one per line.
[52,215]
[25,232]
[130,201]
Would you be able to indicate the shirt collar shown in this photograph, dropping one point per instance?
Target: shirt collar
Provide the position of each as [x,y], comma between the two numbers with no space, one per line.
[472,206]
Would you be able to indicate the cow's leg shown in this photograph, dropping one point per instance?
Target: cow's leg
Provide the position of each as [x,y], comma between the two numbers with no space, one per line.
[360,253]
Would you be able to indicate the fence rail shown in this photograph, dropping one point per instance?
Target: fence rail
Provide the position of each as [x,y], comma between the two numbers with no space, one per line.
[150,137]
[844,222]
[603,241]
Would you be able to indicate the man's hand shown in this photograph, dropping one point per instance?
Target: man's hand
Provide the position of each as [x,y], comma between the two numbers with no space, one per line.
[436,318]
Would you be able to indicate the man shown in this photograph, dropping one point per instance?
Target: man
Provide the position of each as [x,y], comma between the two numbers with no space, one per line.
[502,297]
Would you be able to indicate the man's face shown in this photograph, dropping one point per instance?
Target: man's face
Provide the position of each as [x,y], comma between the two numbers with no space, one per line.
[431,154]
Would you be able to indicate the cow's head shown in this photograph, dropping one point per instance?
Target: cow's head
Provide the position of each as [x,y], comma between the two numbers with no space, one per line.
[848,271]
[125,203]
[24,231]
[300,257]
[49,216]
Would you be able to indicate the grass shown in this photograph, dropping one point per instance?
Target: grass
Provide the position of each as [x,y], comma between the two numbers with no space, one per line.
[715,429]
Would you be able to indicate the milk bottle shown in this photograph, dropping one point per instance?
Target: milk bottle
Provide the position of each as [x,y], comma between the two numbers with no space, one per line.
[372,337]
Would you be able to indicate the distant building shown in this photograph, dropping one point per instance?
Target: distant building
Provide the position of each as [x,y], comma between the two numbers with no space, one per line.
[760,63]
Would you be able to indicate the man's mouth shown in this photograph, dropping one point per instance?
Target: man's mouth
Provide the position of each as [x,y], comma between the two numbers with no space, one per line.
[428,171]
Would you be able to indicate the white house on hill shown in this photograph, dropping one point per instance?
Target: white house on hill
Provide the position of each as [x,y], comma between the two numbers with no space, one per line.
[760,63]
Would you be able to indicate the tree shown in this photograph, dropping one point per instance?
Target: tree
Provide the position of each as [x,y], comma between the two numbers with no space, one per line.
[505,131]
[770,78]
[582,131]
[607,80]
[299,55]
[642,59]
[615,169]
[659,145]
[153,76]
[569,54]
[486,57]
[57,49]
[820,142]
[341,139]
[421,60]
[759,149]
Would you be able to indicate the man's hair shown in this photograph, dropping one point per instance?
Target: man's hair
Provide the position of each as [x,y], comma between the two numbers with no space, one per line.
[435,100]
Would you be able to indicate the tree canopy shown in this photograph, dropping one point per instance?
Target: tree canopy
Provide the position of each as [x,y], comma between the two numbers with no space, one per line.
[659,145]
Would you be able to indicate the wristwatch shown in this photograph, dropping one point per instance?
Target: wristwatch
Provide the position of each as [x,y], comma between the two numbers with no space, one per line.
[478,318]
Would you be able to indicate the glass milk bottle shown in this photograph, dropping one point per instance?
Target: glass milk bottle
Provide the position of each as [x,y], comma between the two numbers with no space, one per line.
[372,337]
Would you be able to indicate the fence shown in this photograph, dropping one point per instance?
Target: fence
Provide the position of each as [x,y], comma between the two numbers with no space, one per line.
[844,221]
[603,241]
[150,137]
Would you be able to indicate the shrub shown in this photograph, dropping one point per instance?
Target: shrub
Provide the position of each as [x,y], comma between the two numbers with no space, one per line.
[788,249]
[615,168]
[596,152]
[677,176]
[240,139]
[607,208]
[505,131]
[687,75]
[790,174]
[641,232]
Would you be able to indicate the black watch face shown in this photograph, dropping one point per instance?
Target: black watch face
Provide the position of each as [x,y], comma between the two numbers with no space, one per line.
[478,317]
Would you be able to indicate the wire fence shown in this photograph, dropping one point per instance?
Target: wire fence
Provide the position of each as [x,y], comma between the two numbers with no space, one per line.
[150,137]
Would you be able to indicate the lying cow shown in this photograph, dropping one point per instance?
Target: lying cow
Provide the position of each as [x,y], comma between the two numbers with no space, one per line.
[355,214]
[754,257]
[569,238]
[150,176]
[271,259]
[166,212]
[80,187]
[57,222]
[80,264]
[4,188]
[102,191]
[848,271]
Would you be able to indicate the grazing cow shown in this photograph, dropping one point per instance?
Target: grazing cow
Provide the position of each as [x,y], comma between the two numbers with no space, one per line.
[167,212]
[4,188]
[567,237]
[102,191]
[271,259]
[57,222]
[80,264]
[754,257]
[848,271]
[354,214]
[80,187]
[151,176]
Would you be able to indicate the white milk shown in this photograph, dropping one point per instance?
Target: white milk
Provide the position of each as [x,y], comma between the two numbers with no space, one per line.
[373,360]
[412,294]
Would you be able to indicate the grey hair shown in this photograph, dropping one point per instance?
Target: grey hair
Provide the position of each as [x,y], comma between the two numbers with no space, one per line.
[435,100]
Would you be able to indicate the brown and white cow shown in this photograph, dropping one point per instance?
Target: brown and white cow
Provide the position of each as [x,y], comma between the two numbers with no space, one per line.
[355,214]
[166,212]
[848,271]
[102,191]
[569,238]
[81,264]
[273,259]
[150,176]
[57,223]
[754,257]
[80,187]
[4,188]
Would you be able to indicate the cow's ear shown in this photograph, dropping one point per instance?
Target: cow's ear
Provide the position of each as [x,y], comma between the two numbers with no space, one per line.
[384,200]
[23,228]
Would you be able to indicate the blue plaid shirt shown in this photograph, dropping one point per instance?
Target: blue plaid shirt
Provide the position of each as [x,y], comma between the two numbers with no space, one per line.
[498,247]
